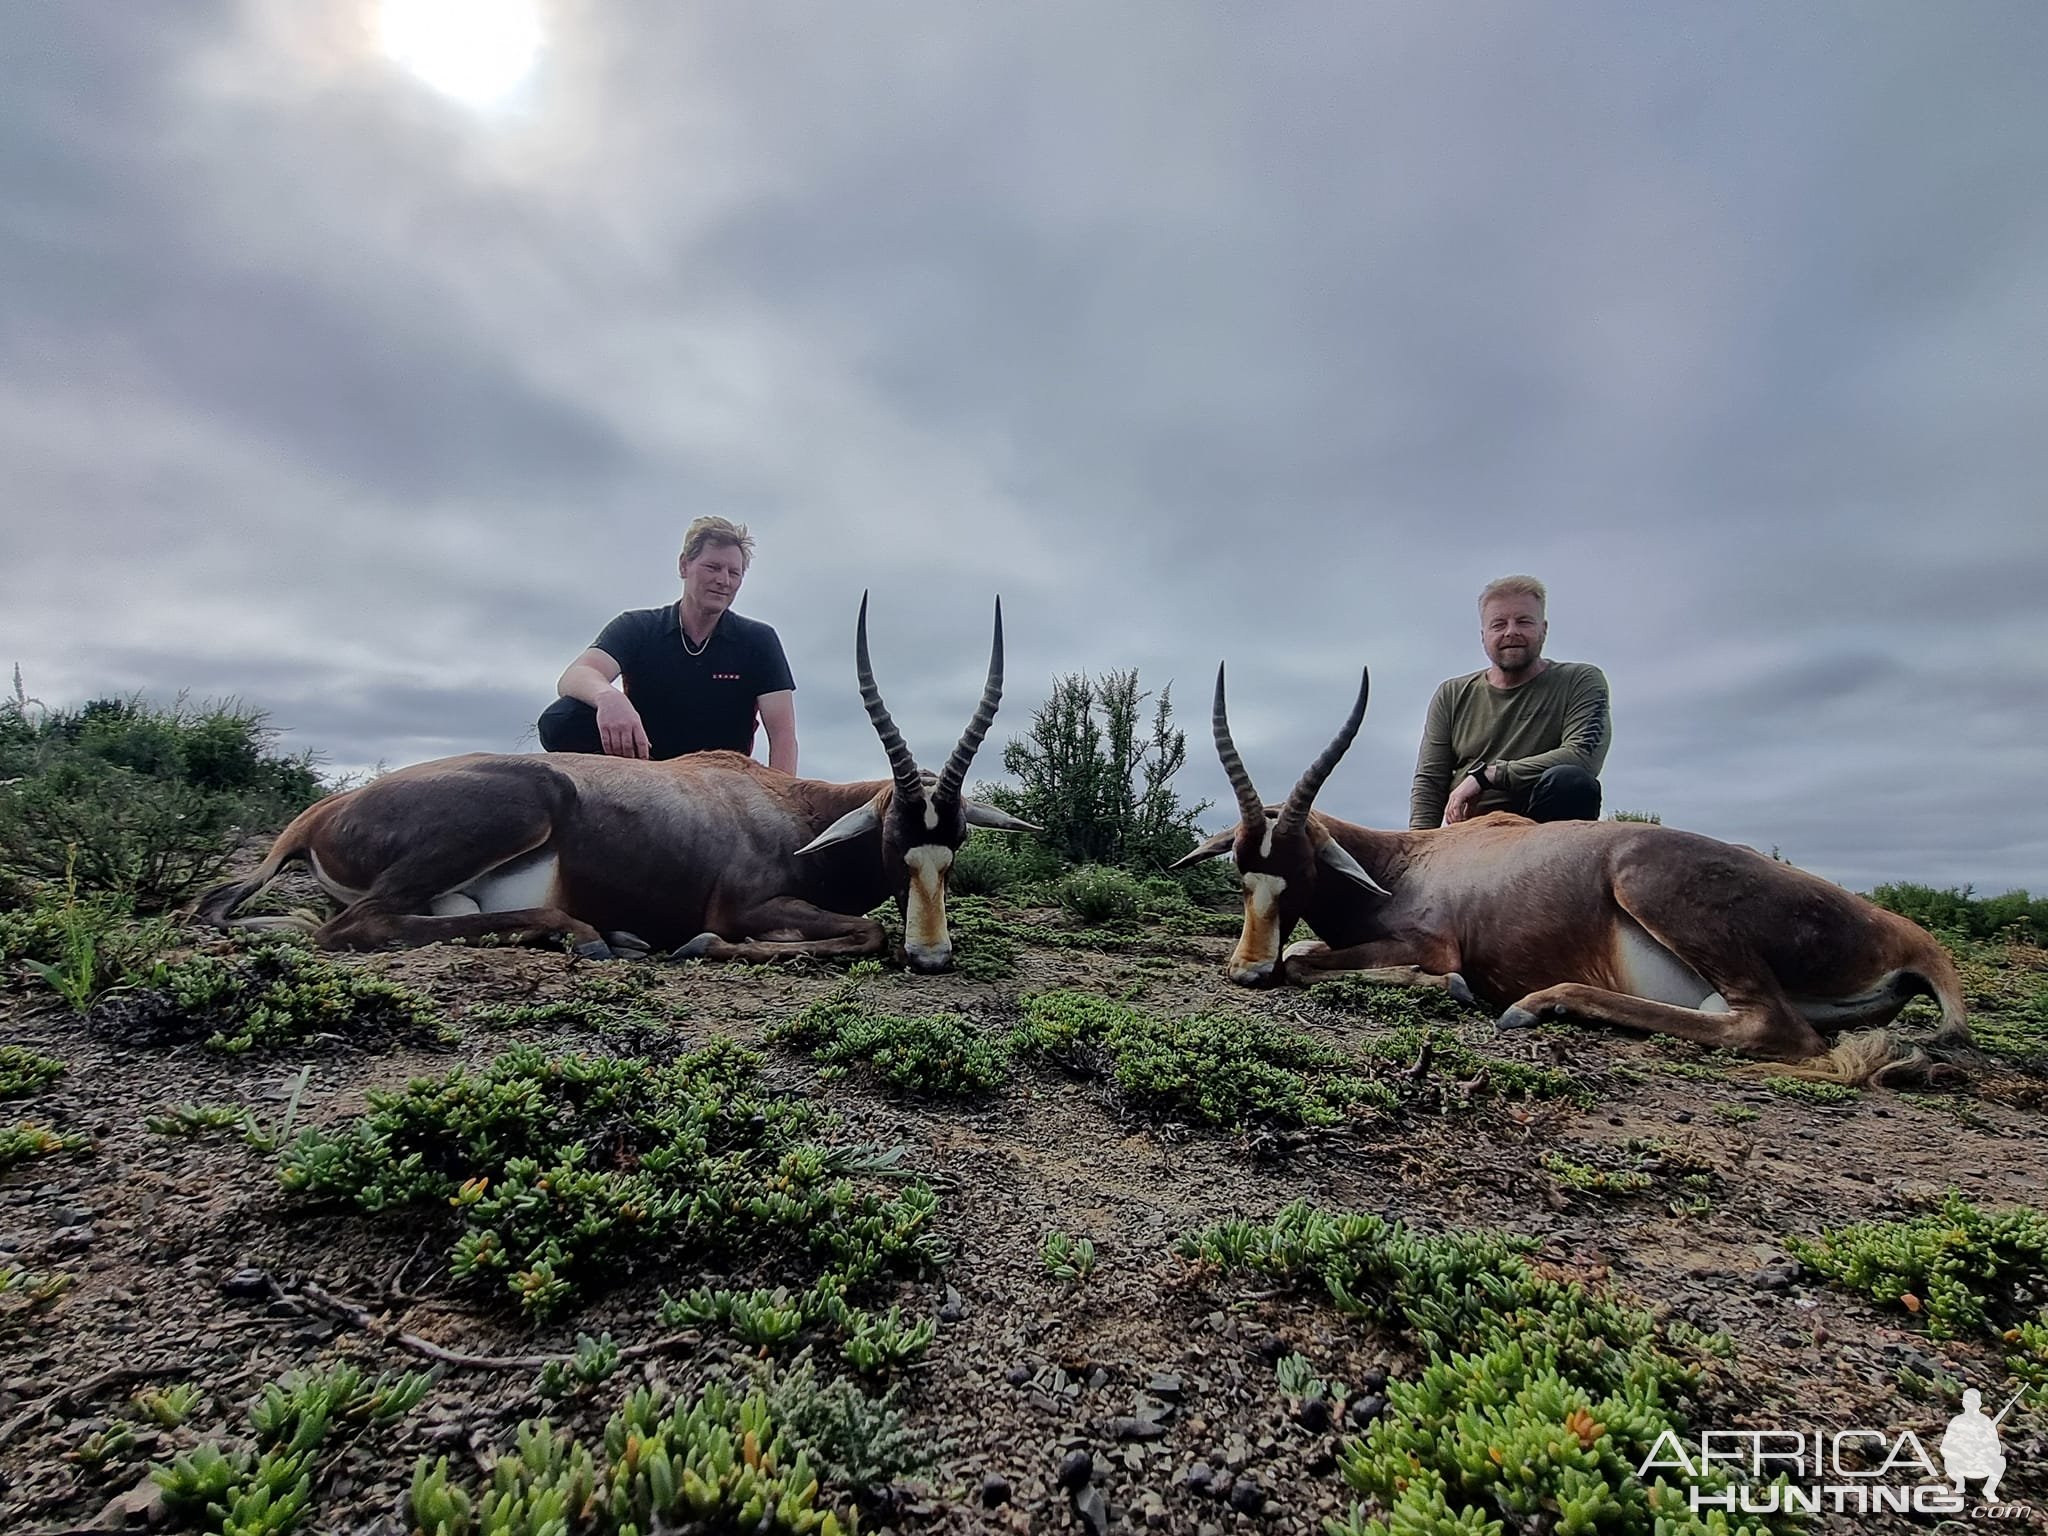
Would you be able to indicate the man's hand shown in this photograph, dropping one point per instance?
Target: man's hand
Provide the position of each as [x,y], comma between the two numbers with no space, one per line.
[618,726]
[1463,798]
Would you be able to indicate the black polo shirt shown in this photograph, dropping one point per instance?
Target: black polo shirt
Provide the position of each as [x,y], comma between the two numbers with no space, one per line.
[703,703]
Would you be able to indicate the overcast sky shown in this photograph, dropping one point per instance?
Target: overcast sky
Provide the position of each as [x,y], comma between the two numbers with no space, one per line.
[1197,331]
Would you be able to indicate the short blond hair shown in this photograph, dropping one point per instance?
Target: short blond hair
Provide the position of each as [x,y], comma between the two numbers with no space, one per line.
[718,530]
[1515,586]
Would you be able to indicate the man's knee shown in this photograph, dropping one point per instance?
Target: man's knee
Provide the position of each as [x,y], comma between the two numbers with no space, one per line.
[569,725]
[1565,793]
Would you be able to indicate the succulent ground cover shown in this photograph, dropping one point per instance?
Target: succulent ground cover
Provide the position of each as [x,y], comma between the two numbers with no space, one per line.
[487,1239]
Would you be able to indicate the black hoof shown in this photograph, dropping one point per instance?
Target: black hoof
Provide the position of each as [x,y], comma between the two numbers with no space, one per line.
[630,944]
[1517,1018]
[696,949]
[1461,993]
[595,949]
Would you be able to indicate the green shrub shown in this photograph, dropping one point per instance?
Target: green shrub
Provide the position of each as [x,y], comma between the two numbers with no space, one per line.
[1538,1401]
[26,1139]
[1960,911]
[938,1055]
[270,1489]
[275,993]
[1814,1091]
[720,1461]
[1067,1258]
[23,1071]
[1965,1271]
[138,800]
[1101,787]
[999,864]
[82,946]
[1208,1070]
[565,1174]
[1098,894]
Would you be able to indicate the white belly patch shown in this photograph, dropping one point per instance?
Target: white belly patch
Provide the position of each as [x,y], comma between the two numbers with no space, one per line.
[511,887]
[1648,970]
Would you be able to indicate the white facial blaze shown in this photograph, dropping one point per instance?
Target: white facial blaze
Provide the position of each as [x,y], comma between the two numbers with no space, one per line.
[924,921]
[1259,945]
[931,818]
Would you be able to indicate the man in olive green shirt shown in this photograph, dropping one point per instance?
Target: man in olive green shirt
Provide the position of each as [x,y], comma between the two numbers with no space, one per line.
[1526,735]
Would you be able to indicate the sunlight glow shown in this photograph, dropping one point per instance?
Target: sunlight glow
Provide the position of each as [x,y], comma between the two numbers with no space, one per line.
[476,51]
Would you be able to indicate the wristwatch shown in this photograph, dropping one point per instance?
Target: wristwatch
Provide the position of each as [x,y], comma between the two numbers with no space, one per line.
[1479,776]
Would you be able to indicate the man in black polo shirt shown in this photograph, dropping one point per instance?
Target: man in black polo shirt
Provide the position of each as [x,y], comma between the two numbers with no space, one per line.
[697,675]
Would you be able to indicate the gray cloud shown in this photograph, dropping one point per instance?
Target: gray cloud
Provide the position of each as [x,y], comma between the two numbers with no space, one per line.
[1195,332]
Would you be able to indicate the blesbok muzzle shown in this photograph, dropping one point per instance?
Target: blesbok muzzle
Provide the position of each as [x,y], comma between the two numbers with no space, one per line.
[928,813]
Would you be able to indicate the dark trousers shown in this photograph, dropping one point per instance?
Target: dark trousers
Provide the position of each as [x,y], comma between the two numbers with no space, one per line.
[569,725]
[1564,793]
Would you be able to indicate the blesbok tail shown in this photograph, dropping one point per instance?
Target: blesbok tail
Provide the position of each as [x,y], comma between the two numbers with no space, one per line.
[216,908]
[1944,983]
[1883,1058]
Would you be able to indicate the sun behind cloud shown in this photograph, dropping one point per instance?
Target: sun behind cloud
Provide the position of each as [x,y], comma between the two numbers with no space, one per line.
[477,51]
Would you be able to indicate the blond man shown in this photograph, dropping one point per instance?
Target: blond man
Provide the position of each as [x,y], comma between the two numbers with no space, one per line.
[1526,734]
[697,676]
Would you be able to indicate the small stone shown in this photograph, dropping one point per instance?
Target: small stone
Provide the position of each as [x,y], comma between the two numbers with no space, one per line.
[12,1242]
[995,1490]
[1125,1428]
[1088,1505]
[1097,1379]
[246,1284]
[955,1307]
[1077,1469]
[1221,1484]
[70,1216]
[1272,1347]
[1236,1452]
[1777,1275]
[74,1239]
[1313,1414]
[1373,1378]
[1683,1117]
[1017,1374]
[1164,1384]
[1247,1498]
[1197,1477]
[1366,1410]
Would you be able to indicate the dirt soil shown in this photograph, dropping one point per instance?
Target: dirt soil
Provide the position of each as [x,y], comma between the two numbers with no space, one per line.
[190,1263]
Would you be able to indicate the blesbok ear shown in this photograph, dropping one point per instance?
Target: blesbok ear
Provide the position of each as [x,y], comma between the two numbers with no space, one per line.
[862,818]
[1215,847]
[1332,853]
[979,815]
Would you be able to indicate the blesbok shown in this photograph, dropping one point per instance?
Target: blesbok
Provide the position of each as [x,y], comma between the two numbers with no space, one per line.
[1623,923]
[710,852]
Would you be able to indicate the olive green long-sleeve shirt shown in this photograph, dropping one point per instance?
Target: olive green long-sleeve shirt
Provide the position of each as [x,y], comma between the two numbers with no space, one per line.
[1558,716]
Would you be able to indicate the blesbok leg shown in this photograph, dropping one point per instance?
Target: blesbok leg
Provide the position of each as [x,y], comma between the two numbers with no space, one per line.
[815,932]
[1429,963]
[371,925]
[1756,1026]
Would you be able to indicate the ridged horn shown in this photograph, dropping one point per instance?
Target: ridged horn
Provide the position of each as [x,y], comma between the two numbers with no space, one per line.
[955,774]
[902,766]
[1295,811]
[1249,806]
